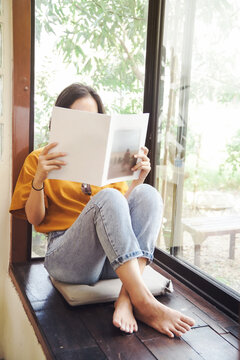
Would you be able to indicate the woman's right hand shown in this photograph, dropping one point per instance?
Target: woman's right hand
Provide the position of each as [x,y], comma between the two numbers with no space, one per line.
[46,163]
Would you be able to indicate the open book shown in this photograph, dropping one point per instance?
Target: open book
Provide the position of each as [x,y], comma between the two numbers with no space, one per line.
[100,148]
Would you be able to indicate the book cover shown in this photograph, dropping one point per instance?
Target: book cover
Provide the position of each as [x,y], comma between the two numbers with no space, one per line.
[100,147]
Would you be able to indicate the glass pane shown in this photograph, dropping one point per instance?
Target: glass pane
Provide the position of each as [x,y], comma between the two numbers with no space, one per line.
[199,137]
[99,43]
[39,244]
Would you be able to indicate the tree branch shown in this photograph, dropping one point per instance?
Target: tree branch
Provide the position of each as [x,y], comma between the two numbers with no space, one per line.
[137,72]
[108,11]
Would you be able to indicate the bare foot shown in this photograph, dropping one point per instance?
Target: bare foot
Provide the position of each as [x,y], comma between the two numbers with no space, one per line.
[123,317]
[165,320]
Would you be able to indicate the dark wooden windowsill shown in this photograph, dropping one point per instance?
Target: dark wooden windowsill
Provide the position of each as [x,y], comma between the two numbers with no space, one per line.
[86,332]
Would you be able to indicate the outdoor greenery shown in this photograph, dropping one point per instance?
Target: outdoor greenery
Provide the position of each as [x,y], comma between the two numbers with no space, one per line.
[214,80]
[200,109]
[102,42]
[232,163]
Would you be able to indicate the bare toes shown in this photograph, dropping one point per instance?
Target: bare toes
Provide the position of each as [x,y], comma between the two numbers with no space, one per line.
[188,320]
[184,325]
[135,327]
[131,328]
[128,328]
[117,323]
[123,327]
[177,333]
[168,333]
[180,328]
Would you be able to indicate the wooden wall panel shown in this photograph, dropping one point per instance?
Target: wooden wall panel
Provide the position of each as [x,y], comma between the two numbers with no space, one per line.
[21,114]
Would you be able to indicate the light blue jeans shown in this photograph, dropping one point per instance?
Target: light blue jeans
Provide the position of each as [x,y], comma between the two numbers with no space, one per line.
[110,231]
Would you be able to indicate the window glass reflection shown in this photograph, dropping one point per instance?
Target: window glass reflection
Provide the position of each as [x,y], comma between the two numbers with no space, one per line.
[199,137]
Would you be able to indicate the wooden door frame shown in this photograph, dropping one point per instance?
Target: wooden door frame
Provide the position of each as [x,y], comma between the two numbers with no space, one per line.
[22,129]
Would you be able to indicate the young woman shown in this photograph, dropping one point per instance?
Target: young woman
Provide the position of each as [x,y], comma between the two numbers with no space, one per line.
[97,233]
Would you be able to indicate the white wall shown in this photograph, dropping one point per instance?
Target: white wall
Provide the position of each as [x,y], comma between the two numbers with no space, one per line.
[17,338]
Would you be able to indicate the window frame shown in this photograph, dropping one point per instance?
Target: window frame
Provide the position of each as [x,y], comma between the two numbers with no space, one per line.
[22,137]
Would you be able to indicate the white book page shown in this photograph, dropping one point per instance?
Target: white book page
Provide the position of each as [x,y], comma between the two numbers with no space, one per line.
[83,136]
[127,136]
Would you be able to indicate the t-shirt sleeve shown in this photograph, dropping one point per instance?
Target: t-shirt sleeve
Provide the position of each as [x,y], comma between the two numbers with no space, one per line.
[23,186]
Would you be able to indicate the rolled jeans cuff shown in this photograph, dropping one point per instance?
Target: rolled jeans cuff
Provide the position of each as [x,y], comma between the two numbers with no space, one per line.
[135,254]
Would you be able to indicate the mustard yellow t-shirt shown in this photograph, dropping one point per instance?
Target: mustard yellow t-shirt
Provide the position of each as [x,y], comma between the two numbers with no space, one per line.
[64,200]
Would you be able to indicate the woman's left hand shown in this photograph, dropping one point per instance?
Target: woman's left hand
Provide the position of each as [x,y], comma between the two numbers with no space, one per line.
[144,165]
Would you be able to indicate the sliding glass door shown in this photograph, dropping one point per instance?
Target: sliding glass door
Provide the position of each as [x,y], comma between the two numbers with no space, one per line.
[198,150]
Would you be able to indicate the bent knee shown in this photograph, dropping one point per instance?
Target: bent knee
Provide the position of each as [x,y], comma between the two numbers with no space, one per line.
[147,193]
[109,194]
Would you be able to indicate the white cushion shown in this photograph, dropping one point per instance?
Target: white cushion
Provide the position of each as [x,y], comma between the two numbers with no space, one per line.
[108,290]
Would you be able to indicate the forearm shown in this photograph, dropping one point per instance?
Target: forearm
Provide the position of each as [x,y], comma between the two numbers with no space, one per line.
[132,186]
[35,206]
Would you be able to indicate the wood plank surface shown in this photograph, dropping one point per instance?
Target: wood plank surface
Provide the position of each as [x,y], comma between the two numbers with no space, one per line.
[209,345]
[81,354]
[64,330]
[208,313]
[232,340]
[87,332]
[113,342]
[234,330]
[171,349]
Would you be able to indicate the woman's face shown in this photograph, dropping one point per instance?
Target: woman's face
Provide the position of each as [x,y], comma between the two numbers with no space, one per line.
[85,104]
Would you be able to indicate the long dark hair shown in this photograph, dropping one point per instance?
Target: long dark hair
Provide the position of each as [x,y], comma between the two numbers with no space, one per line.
[77,91]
